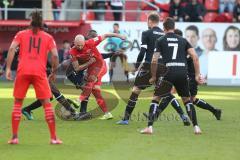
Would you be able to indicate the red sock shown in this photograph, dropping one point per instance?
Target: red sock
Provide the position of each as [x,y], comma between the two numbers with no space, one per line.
[16,117]
[100,101]
[87,90]
[50,119]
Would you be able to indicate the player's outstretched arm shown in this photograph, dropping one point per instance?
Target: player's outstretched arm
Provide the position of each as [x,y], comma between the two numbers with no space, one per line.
[154,64]
[10,56]
[194,56]
[55,63]
[107,35]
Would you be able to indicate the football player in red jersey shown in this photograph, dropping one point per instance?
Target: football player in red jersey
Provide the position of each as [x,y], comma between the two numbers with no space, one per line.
[35,45]
[86,55]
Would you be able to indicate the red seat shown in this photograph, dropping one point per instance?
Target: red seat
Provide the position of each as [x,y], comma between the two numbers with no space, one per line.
[145,6]
[224,17]
[89,16]
[163,15]
[143,16]
[229,16]
[164,6]
[212,5]
[210,17]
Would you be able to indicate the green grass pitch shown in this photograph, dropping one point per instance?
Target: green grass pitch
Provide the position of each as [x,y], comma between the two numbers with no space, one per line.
[104,140]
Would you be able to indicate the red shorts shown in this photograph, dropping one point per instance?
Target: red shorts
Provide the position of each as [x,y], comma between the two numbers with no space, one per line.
[103,71]
[94,70]
[40,85]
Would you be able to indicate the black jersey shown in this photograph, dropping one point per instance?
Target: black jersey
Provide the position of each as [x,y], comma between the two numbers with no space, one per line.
[149,38]
[173,50]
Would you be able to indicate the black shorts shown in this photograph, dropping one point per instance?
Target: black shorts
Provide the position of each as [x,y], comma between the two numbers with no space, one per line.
[144,75]
[193,85]
[77,78]
[179,80]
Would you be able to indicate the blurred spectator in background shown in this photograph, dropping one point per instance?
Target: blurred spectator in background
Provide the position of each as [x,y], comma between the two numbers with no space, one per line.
[231,39]
[1,7]
[209,40]
[64,51]
[236,11]
[226,6]
[7,3]
[100,5]
[194,11]
[176,10]
[119,52]
[56,4]
[192,36]
[116,5]
[2,62]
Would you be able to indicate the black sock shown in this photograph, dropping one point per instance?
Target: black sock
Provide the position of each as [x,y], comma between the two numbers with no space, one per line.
[63,101]
[152,112]
[204,105]
[33,106]
[162,105]
[84,104]
[127,76]
[130,106]
[177,106]
[191,112]
[110,74]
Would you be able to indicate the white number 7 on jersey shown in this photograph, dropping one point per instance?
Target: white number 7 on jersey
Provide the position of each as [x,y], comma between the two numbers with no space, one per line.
[175,48]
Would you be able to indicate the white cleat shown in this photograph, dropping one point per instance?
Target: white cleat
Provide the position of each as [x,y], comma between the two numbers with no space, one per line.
[107,116]
[197,130]
[148,130]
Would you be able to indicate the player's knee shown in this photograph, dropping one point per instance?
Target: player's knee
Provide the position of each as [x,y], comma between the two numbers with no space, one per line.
[136,90]
[193,99]
[186,99]
[156,98]
[44,101]
[18,100]
[97,87]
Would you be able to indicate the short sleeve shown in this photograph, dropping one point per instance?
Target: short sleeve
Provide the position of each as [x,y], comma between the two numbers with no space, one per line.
[52,44]
[144,40]
[72,54]
[157,46]
[17,38]
[97,40]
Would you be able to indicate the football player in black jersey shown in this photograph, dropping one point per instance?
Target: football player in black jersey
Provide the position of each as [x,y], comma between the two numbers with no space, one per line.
[149,38]
[193,85]
[173,50]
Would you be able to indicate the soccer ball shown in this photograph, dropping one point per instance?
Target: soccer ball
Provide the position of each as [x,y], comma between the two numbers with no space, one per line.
[62,113]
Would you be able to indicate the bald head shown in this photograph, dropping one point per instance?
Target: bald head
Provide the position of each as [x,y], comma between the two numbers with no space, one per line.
[79,42]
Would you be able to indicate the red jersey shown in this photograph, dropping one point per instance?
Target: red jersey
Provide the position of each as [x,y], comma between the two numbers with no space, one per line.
[34,49]
[89,50]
